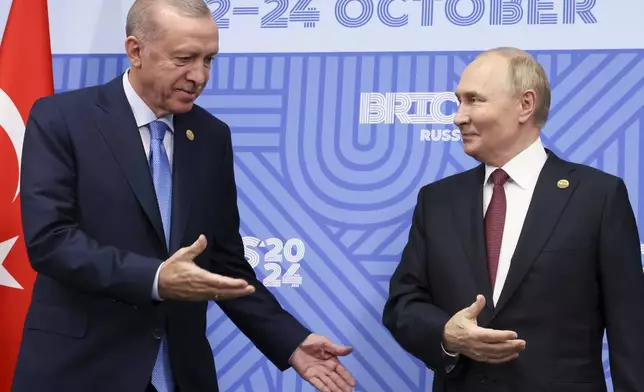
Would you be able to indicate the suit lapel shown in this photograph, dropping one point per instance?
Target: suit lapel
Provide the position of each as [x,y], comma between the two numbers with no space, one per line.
[468,214]
[183,178]
[548,202]
[116,122]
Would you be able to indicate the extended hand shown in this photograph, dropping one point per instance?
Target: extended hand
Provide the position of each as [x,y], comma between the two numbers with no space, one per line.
[316,361]
[180,278]
[463,335]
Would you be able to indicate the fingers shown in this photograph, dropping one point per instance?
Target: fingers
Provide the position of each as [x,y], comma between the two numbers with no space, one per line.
[196,248]
[330,380]
[318,384]
[188,281]
[342,377]
[329,383]
[189,253]
[330,375]
[495,358]
[222,283]
[503,349]
[505,359]
[226,295]
[338,350]
[493,335]
[490,345]
[219,283]
[224,288]
[476,308]
[340,383]
[209,286]
[497,352]
[181,278]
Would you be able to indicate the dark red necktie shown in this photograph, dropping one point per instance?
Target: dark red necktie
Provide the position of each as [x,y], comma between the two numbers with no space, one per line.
[494,222]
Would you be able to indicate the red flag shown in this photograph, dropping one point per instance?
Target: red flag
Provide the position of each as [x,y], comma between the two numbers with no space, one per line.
[25,75]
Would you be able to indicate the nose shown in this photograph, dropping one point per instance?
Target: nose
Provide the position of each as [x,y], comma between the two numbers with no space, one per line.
[198,74]
[461,117]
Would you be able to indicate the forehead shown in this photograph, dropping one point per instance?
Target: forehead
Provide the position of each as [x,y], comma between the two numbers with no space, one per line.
[486,75]
[179,30]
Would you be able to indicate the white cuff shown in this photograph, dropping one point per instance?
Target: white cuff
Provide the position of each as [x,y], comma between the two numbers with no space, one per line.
[452,361]
[155,286]
[448,353]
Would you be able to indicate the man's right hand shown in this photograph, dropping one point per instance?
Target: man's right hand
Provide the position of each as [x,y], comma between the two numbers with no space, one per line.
[462,335]
[181,279]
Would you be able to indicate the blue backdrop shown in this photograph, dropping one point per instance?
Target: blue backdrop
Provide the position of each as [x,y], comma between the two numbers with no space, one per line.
[328,165]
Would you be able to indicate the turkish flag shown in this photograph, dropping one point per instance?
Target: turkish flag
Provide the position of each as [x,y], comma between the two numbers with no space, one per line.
[25,76]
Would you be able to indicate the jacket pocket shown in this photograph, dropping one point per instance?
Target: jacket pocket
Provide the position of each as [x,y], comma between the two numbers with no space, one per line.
[57,320]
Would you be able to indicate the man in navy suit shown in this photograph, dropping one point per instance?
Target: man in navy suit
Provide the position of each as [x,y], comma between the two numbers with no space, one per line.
[130,219]
[514,269]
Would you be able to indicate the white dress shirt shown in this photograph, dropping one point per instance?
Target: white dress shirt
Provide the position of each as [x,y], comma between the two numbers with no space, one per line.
[524,171]
[143,115]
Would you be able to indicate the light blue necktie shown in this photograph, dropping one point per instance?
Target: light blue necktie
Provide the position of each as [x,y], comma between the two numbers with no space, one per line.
[162,179]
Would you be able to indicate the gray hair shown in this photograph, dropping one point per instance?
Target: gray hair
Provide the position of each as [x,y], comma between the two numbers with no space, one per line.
[525,73]
[140,20]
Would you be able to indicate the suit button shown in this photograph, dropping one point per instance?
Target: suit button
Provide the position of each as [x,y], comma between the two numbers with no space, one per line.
[157,333]
[483,379]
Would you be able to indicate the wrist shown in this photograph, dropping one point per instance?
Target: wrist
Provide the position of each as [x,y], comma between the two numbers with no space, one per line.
[447,345]
[290,359]
[450,353]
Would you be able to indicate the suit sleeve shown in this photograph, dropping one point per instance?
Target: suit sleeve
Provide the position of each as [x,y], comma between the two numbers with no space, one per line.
[56,246]
[409,313]
[622,283]
[274,331]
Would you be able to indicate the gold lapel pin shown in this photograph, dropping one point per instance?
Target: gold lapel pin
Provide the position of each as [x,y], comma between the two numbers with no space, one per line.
[190,135]
[563,184]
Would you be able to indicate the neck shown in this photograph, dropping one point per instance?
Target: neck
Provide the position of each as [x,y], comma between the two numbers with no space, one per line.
[501,158]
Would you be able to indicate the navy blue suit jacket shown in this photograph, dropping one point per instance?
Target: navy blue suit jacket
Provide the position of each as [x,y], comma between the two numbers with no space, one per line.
[93,233]
[576,272]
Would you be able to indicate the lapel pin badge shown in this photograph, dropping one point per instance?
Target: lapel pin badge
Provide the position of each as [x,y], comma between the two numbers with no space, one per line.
[190,135]
[563,184]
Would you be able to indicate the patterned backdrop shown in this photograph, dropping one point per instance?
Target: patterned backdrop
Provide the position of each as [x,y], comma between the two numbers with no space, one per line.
[326,201]
[341,110]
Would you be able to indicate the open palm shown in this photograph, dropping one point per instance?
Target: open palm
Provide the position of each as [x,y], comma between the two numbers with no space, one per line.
[316,361]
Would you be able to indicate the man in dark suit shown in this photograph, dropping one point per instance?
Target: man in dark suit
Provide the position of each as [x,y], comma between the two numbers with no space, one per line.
[513,269]
[130,219]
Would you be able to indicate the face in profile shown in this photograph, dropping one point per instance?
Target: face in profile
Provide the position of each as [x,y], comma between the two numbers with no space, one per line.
[173,66]
[488,113]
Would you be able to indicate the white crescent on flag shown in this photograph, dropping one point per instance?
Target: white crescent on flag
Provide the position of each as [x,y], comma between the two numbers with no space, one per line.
[12,123]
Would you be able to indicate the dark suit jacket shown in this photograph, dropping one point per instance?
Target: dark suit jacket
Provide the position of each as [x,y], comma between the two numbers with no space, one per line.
[94,235]
[576,271]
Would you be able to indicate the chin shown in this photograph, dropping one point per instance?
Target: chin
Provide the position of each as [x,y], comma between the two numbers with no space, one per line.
[181,107]
[470,148]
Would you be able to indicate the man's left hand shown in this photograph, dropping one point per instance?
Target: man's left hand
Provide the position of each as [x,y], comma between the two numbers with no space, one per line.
[316,361]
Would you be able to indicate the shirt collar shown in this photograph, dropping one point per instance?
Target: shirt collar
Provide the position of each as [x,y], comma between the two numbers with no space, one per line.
[143,115]
[524,168]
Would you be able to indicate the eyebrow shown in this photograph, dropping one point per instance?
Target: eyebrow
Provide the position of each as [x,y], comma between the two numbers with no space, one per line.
[469,93]
[191,52]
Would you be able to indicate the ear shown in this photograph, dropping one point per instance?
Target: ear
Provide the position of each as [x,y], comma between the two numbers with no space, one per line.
[133,49]
[527,105]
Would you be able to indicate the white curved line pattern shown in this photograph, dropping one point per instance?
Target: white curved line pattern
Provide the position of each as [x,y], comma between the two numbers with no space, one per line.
[322,131]
[12,123]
